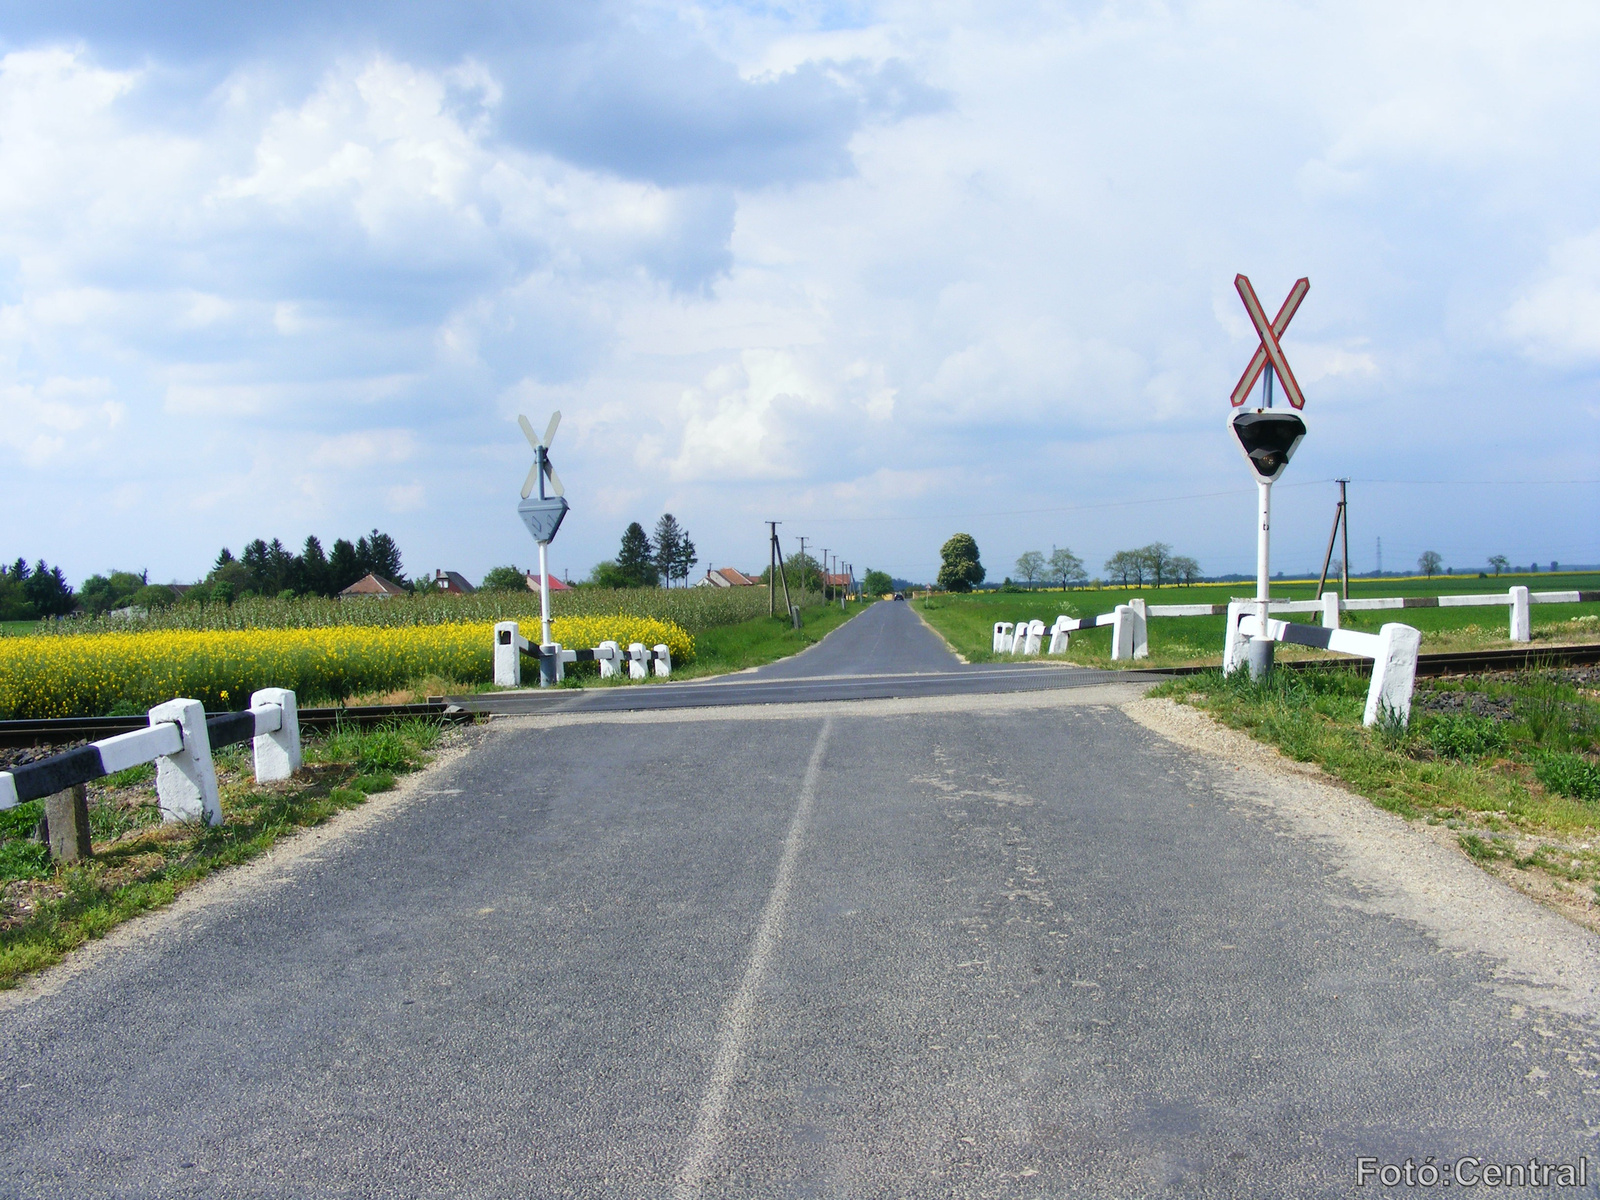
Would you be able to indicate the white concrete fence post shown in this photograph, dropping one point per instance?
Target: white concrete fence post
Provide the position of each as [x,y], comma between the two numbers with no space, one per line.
[609,656]
[1035,637]
[663,659]
[186,781]
[276,752]
[1122,633]
[1141,627]
[1060,635]
[1330,610]
[508,644]
[1394,673]
[636,667]
[1521,621]
[1234,639]
[1002,637]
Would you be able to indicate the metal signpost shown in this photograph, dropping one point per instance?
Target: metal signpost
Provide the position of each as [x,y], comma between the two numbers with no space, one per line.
[1267,438]
[543,517]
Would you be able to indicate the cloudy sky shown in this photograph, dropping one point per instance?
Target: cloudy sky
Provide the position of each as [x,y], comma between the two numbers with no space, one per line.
[880,271]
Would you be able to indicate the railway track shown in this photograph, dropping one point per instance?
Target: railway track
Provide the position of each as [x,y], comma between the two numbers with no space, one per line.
[65,730]
[54,731]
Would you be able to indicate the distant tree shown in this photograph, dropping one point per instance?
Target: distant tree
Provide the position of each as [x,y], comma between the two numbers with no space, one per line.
[1429,563]
[47,590]
[636,558]
[1554,565]
[608,575]
[102,593]
[505,579]
[378,554]
[1126,567]
[1066,567]
[344,566]
[1156,559]
[876,583]
[1499,562]
[1184,569]
[803,572]
[960,569]
[14,604]
[1031,567]
[683,562]
[668,541]
[314,576]
[153,595]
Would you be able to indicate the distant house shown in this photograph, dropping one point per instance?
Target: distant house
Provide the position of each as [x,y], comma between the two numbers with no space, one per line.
[370,585]
[726,577]
[452,582]
[555,583]
[837,581]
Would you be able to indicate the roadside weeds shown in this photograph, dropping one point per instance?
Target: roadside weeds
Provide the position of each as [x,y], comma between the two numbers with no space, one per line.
[141,864]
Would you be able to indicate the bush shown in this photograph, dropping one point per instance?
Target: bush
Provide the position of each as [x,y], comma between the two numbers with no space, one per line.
[1466,737]
[1568,774]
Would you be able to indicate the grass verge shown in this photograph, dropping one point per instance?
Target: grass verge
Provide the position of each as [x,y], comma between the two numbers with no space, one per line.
[967,622]
[757,642]
[141,864]
[1504,765]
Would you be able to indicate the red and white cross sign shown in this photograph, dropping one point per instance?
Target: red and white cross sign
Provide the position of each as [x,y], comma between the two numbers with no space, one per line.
[1269,350]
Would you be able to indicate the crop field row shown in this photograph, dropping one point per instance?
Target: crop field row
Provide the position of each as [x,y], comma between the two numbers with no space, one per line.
[98,673]
[692,609]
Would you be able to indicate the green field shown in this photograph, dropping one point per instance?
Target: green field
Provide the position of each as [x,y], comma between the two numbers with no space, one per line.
[967,622]
[17,628]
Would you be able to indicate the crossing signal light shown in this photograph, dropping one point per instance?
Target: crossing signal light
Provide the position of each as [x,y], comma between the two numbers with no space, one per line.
[1268,439]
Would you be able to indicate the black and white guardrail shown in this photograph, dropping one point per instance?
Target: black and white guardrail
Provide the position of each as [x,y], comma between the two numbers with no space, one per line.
[179,741]
[510,646]
[1130,630]
[1393,651]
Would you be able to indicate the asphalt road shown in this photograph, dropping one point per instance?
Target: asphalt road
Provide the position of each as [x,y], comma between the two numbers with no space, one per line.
[961,947]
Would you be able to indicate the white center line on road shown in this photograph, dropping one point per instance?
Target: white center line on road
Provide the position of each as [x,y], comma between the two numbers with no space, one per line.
[706,1140]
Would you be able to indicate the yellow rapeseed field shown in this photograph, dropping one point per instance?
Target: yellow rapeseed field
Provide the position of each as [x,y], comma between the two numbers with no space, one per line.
[89,674]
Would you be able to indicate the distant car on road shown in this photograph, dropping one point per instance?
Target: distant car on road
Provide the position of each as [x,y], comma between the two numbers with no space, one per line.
[899,595]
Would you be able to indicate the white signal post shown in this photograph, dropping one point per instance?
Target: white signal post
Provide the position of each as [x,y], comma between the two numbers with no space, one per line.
[542,517]
[1268,439]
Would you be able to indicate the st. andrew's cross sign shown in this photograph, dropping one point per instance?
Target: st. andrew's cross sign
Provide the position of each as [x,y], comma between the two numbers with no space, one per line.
[1269,350]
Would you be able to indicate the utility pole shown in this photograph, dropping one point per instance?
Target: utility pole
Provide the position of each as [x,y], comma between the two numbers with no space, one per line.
[772,569]
[1341,521]
[825,572]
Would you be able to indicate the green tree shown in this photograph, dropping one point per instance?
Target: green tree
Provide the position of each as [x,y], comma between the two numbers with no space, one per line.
[1066,567]
[379,555]
[608,575]
[668,544]
[48,592]
[1184,569]
[960,569]
[1126,567]
[683,562]
[1031,567]
[102,593]
[636,558]
[1429,563]
[505,579]
[1156,559]
[314,578]
[344,566]
[877,583]
[1499,562]
[152,596]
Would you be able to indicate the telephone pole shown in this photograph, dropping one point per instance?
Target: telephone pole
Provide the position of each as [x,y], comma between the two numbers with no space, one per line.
[772,569]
